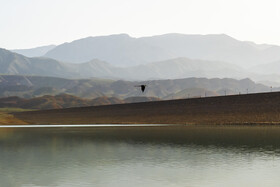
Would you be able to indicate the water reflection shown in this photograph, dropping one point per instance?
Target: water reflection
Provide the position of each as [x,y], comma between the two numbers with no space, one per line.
[130,156]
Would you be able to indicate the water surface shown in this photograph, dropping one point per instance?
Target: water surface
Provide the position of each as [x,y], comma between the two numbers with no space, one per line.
[140,156]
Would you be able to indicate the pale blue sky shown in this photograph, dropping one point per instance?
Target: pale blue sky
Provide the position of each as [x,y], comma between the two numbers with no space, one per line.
[31,23]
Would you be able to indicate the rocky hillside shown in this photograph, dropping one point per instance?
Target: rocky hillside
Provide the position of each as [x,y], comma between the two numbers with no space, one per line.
[35,86]
[65,101]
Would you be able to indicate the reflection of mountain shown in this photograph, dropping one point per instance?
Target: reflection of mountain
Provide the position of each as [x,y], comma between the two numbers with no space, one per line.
[125,50]
[34,86]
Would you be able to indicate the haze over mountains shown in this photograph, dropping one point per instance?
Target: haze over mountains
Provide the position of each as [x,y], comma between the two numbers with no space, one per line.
[169,56]
[104,70]
[123,50]
[16,64]
[34,52]
[36,86]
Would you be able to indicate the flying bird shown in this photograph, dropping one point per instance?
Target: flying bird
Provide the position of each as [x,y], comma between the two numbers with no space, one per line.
[142,86]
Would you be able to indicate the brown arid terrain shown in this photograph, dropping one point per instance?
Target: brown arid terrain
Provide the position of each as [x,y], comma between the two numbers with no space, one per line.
[65,101]
[6,118]
[262,108]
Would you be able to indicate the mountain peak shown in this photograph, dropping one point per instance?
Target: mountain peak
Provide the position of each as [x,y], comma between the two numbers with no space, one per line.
[34,52]
[123,50]
[106,37]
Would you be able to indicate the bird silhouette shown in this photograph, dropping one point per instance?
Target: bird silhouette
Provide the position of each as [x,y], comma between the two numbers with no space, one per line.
[142,86]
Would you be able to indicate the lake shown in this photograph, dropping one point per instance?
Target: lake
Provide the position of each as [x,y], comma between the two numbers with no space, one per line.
[140,156]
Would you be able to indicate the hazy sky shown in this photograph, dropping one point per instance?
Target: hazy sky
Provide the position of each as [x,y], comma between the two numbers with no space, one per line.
[31,23]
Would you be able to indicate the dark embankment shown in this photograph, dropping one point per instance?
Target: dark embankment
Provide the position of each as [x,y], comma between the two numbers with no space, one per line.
[237,109]
[258,136]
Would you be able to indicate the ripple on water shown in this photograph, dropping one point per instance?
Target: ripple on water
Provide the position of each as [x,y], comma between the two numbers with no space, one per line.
[136,157]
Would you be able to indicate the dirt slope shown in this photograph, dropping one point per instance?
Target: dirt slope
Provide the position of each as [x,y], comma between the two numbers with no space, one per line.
[237,109]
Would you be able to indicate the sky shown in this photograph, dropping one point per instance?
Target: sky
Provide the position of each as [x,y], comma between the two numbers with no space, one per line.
[33,23]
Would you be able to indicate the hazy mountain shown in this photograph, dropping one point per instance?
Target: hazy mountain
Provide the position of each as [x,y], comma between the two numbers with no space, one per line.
[123,50]
[162,87]
[116,49]
[15,64]
[259,46]
[34,52]
[269,68]
[184,67]
[192,92]
[268,74]
[34,86]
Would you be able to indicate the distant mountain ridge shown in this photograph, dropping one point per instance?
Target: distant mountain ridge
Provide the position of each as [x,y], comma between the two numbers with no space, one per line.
[36,86]
[66,101]
[123,50]
[54,102]
[15,64]
[185,67]
[269,68]
[34,52]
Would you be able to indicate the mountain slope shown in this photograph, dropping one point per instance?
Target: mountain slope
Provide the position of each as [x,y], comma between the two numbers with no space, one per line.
[192,93]
[269,68]
[55,102]
[15,64]
[123,50]
[34,52]
[33,86]
[184,67]
[119,49]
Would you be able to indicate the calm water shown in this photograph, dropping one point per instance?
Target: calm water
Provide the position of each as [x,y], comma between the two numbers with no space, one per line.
[140,156]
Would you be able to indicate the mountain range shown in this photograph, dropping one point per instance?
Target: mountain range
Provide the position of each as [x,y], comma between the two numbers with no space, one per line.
[36,86]
[123,50]
[34,52]
[16,64]
[65,101]
[169,56]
